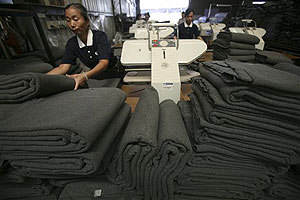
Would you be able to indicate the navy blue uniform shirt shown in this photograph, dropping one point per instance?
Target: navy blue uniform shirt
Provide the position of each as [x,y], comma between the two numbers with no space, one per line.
[97,48]
[188,32]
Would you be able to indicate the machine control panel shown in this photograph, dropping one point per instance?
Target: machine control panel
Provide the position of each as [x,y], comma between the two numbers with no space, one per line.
[163,43]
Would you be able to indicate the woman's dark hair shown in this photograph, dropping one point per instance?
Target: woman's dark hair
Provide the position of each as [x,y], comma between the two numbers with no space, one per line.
[80,8]
[188,11]
[138,16]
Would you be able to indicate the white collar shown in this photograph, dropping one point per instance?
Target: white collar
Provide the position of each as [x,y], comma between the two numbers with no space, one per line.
[89,40]
[186,25]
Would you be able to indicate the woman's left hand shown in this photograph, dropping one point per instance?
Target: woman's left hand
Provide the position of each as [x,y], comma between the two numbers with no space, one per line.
[80,80]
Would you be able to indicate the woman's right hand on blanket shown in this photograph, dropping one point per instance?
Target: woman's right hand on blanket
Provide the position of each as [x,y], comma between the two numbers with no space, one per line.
[80,80]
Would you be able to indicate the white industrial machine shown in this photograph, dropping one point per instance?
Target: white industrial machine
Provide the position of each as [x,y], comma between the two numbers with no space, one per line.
[164,56]
[140,30]
[259,32]
[211,29]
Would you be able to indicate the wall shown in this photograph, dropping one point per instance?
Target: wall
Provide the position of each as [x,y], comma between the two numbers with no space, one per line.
[102,13]
[200,5]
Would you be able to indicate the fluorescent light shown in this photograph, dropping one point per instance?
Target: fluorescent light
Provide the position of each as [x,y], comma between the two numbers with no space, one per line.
[258,2]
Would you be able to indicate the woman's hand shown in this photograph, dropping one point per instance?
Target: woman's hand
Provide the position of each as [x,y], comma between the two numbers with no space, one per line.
[80,80]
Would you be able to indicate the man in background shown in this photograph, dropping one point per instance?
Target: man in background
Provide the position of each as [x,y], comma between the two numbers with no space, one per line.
[182,19]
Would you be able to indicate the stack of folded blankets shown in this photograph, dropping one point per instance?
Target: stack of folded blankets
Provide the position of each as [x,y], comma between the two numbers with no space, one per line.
[153,150]
[243,121]
[48,132]
[235,46]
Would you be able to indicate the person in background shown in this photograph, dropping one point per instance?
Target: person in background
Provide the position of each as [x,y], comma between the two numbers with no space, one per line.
[90,46]
[138,17]
[187,29]
[182,19]
[147,16]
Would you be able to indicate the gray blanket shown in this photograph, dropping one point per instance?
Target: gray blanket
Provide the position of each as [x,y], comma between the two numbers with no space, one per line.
[248,58]
[271,57]
[233,51]
[94,189]
[288,67]
[51,125]
[24,65]
[22,87]
[216,177]
[238,37]
[251,85]
[138,145]
[246,142]
[221,55]
[217,111]
[48,165]
[174,150]
[233,45]
[241,52]
[187,116]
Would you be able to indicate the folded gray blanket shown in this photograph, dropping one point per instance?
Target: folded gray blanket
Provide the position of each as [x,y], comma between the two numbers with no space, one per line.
[233,45]
[242,58]
[271,57]
[241,52]
[247,142]
[218,55]
[35,126]
[50,165]
[226,154]
[238,37]
[251,85]
[138,144]
[288,67]
[24,65]
[232,51]
[22,87]
[187,116]
[217,111]
[94,189]
[215,177]
[174,148]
